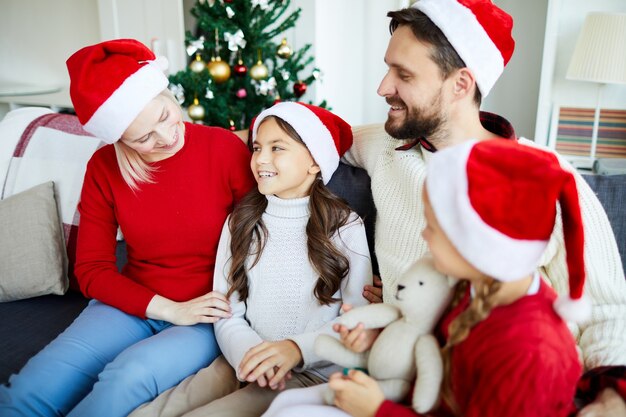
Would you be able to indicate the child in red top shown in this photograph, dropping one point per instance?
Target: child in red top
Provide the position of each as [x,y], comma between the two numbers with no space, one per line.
[490,208]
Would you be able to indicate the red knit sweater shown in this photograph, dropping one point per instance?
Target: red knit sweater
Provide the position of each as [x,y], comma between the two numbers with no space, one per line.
[171,227]
[519,362]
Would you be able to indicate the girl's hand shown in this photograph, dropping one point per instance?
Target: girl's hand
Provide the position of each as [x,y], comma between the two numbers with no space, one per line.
[357,394]
[269,362]
[207,308]
[608,404]
[358,339]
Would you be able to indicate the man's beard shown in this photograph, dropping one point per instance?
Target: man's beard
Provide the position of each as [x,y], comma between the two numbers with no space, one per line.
[419,122]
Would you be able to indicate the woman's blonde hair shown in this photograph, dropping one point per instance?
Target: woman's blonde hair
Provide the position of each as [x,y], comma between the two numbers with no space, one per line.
[134,169]
[481,305]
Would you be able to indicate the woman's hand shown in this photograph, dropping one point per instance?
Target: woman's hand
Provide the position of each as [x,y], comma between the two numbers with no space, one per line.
[207,308]
[357,394]
[608,404]
[358,339]
[269,363]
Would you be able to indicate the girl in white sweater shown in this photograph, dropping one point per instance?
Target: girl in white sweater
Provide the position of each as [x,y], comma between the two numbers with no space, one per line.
[290,254]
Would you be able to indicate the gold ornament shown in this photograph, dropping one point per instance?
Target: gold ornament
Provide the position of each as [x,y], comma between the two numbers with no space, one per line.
[196,111]
[219,70]
[284,51]
[259,71]
[197,65]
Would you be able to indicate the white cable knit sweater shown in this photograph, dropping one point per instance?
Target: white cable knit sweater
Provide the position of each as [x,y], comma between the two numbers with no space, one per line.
[397,184]
[281,304]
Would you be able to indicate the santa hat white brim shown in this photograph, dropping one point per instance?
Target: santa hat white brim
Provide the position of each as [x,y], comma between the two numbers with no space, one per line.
[469,39]
[122,107]
[488,249]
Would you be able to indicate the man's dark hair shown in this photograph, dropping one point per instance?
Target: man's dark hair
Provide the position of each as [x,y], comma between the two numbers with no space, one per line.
[443,53]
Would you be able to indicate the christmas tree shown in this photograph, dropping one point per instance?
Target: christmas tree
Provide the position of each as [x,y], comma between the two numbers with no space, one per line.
[237,68]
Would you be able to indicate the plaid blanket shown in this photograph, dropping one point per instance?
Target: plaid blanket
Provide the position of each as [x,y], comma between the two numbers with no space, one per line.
[36,146]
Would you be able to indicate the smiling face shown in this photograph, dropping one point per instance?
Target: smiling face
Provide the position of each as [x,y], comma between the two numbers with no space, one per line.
[158,131]
[413,86]
[281,165]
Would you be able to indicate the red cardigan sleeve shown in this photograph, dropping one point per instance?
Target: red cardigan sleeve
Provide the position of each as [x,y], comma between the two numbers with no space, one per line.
[96,269]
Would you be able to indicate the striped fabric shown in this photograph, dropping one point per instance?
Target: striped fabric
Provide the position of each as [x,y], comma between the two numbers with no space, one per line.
[39,146]
[574,132]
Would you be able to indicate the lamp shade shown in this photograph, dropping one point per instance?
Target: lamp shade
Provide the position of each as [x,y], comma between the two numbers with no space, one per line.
[600,53]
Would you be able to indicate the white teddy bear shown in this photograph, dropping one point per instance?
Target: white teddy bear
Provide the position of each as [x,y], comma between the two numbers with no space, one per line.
[406,346]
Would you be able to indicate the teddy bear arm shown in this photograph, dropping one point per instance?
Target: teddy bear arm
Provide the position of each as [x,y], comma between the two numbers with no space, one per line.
[331,349]
[373,316]
[429,366]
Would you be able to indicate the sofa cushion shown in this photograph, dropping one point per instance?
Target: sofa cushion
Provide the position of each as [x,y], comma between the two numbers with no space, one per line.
[611,191]
[353,185]
[33,261]
[37,145]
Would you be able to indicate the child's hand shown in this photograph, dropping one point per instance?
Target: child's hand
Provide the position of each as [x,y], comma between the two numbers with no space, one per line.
[269,362]
[357,394]
[374,293]
[358,339]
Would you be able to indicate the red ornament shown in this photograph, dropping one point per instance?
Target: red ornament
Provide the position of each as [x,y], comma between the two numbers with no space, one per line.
[240,69]
[299,89]
[228,1]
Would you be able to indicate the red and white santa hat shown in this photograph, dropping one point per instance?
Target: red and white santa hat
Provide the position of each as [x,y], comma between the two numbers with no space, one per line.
[111,83]
[479,31]
[326,135]
[496,200]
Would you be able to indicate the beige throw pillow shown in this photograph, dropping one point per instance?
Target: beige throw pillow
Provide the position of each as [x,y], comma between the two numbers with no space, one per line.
[33,260]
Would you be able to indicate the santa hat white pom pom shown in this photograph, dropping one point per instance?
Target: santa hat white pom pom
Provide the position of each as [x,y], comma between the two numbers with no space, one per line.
[161,62]
[575,311]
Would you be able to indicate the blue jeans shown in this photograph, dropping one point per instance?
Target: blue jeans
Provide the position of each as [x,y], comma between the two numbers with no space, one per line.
[107,363]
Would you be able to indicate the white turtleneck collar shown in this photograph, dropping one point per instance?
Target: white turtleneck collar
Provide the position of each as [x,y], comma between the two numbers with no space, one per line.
[291,208]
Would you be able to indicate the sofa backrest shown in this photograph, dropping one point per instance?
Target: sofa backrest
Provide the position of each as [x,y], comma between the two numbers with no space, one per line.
[611,191]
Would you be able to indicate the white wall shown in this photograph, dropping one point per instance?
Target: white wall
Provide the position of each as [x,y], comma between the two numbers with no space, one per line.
[351,37]
[37,36]
[515,95]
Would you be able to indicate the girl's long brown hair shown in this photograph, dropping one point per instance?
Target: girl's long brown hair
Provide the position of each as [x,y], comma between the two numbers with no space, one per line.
[328,213]
[481,305]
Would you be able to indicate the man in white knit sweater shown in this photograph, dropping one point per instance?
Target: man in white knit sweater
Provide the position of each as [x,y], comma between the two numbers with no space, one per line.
[437,74]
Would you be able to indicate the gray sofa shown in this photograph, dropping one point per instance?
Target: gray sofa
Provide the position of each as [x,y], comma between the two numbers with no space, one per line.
[28,325]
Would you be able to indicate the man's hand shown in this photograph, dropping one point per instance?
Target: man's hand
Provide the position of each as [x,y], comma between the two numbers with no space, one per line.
[269,363]
[358,339]
[608,404]
[357,394]
[207,308]
[374,293]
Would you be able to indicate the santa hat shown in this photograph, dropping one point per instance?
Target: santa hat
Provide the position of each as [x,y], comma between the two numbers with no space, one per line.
[111,83]
[479,31]
[496,202]
[326,135]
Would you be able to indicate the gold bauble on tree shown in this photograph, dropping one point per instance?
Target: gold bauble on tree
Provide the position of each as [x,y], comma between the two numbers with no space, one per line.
[259,71]
[219,70]
[197,65]
[196,111]
[284,51]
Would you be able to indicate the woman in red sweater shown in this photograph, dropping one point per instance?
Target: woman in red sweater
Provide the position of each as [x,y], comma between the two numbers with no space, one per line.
[168,186]
[490,209]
